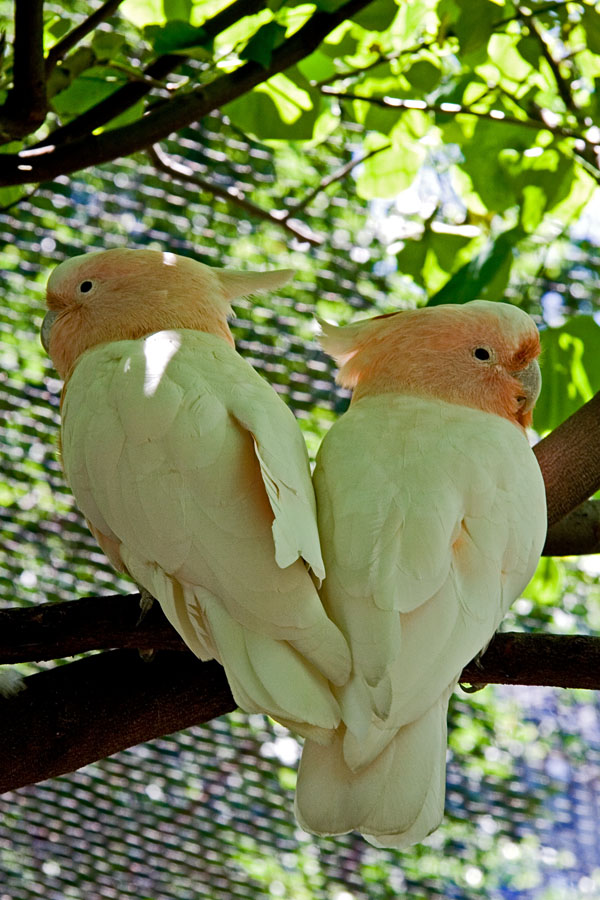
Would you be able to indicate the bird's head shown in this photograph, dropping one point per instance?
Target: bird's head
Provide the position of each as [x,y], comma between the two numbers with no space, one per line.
[480,354]
[125,294]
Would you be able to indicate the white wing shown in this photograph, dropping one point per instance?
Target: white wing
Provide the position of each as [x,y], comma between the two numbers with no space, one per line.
[180,453]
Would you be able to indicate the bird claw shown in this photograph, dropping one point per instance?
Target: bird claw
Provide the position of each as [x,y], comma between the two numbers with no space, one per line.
[147,601]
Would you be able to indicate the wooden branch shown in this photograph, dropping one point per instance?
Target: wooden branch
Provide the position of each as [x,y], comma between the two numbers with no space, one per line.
[577,534]
[47,162]
[77,34]
[233,195]
[58,630]
[552,660]
[25,107]
[570,462]
[77,713]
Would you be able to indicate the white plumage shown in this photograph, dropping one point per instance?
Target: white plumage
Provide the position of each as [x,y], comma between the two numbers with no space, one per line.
[432,519]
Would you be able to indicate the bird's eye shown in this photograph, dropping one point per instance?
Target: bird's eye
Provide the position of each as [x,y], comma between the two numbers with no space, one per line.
[482,353]
[85,287]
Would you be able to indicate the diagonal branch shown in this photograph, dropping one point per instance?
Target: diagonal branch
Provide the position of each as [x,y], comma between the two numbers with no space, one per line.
[44,163]
[233,195]
[562,84]
[78,713]
[338,175]
[77,34]
[128,95]
[570,462]
[25,106]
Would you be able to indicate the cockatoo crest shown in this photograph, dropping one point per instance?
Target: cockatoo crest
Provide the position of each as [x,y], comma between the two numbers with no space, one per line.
[480,354]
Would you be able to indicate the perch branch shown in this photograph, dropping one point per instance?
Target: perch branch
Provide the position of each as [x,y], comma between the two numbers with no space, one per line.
[75,714]
[569,460]
[78,713]
[47,162]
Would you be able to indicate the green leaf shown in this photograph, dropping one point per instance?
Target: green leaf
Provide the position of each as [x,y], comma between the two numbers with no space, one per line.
[107,44]
[591,23]
[175,36]
[178,9]
[570,364]
[389,171]
[318,66]
[278,109]
[423,75]
[89,88]
[485,276]
[471,22]
[377,16]
[143,12]
[261,45]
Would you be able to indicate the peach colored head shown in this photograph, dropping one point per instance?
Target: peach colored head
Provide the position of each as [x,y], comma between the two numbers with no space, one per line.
[124,294]
[478,354]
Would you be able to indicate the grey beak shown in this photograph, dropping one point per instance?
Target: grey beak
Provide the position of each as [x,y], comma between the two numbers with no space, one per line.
[45,330]
[531,379]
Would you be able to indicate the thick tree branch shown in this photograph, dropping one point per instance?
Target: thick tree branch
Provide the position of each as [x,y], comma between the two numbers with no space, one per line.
[77,34]
[25,106]
[233,194]
[577,534]
[75,714]
[570,462]
[47,162]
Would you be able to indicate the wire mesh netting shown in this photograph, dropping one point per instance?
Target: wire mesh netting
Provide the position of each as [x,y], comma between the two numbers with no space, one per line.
[209,812]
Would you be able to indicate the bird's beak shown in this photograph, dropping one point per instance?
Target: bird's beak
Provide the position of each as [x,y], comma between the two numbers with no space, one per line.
[46,326]
[531,380]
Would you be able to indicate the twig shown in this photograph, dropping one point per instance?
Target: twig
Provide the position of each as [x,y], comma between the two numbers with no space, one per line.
[233,195]
[586,157]
[25,106]
[70,40]
[563,86]
[338,175]
[28,167]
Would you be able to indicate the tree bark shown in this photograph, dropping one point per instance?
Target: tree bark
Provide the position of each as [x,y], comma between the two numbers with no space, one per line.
[77,713]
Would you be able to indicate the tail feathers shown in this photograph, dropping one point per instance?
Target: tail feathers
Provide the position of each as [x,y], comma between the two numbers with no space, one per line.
[325,647]
[395,801]
[268,675]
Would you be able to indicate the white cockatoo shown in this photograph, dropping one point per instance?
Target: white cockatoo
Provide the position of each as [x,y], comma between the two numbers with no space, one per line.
[432,516]
[193,474]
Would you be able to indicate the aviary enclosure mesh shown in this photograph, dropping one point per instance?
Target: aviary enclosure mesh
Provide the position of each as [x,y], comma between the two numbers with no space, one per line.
[208,812]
